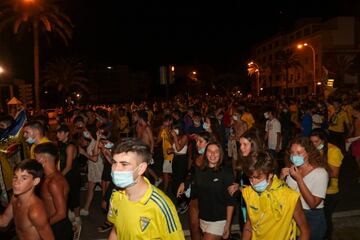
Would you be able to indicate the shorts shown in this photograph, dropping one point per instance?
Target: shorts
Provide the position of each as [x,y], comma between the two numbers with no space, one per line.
[167,166]
[63,230]
[213,227]
[74,181]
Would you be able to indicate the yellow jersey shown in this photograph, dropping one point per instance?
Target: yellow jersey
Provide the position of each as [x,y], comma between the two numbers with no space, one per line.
[338,122]
[334,158]
[249,119]
[166,144]
[32,153]
[271,212]
[152,217]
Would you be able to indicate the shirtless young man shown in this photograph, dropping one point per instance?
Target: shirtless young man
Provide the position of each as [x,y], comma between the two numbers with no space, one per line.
[25,207]
[54,191]
[144,133]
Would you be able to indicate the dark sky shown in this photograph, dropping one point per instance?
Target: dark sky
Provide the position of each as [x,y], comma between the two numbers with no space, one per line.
[149,33]
[184,31]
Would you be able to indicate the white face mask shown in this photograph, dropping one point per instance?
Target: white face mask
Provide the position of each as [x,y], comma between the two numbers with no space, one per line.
[236,117]
[266,115]
[176,131]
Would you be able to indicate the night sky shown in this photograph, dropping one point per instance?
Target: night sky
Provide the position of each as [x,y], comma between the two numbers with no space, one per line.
[143,33]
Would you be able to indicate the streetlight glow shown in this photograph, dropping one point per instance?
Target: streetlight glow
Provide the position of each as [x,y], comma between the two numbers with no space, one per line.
[300,46]
[2,70]
[194,72]
[255,68]
[172,68]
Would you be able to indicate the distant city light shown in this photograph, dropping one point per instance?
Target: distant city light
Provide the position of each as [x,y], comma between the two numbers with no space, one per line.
[78,95]
[109,67]
[194,72]
[318,83]
[1,70]
[261,89]
[46,92]
[172,68]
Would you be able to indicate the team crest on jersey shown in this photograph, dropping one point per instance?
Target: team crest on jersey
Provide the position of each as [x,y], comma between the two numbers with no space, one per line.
[144,223]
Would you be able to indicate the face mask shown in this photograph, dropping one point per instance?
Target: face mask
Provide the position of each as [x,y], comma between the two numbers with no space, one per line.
[206,126]
[122,179]
[109,145]
[261,186]
[176,131]
[201,151]
[297,160]
[236,117]
[188,192]
[30,140]
[321,146]
[266,115]
[87,135]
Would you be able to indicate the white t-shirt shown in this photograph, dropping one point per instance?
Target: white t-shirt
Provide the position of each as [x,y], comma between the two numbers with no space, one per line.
[273,127]
[316,181]
[317,120]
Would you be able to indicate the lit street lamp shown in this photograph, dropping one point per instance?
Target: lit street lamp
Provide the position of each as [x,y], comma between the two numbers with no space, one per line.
[254,68]
[300,46]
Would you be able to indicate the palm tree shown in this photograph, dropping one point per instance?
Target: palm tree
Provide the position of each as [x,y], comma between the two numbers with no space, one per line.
[339,65]
[285,60]
[35,16]
[67,75]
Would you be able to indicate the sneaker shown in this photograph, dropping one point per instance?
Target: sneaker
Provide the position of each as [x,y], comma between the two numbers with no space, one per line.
[105,227]
[71,216]
[77,231]
[83,212]
[158,182]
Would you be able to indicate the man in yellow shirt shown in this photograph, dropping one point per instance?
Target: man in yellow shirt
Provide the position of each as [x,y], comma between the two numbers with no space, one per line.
[34,134]
[273,209]
[338,125]
[139,210]
[334,158]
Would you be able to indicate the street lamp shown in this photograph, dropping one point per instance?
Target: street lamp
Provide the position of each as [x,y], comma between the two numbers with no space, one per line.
[300,46]
[254,68]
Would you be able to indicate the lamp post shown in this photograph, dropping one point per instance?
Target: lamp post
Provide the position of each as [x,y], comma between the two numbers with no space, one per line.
[254,68]
[300,46]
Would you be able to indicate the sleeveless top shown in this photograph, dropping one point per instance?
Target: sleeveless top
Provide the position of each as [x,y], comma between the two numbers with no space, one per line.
[183,151]
[62,160]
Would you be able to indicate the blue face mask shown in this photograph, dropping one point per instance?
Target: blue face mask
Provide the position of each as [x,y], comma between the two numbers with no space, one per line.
[297,160]
[30,140]
[109,145]
[205,126]
[261,186]
[201,151]
[321,146]
[123,179]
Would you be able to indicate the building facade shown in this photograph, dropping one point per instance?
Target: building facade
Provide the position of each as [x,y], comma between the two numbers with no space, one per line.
[335,45]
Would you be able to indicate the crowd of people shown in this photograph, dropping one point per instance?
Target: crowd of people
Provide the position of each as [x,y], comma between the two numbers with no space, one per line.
[276,162]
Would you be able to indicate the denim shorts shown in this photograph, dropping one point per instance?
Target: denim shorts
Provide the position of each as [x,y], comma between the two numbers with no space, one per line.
[317,223]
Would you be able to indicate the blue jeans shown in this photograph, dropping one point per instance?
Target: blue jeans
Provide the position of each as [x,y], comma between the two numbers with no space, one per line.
[317,223]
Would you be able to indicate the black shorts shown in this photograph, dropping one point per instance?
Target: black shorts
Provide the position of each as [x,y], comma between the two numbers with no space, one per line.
[74,181]
[106,174]
[63,230]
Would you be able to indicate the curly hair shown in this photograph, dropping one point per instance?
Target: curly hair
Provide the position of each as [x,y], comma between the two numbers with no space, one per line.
[314,157]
